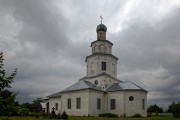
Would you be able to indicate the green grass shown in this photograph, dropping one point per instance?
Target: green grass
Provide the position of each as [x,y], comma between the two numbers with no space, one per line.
[93,118]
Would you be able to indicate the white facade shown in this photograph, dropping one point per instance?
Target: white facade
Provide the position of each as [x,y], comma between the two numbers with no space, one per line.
[100,91]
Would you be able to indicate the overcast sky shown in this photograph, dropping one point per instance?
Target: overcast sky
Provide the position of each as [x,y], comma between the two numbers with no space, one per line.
[48,40]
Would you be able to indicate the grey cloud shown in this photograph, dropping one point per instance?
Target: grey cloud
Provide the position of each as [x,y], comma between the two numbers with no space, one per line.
[150,56]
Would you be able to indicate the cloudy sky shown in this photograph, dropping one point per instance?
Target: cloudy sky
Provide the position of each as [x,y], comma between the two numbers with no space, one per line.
[48,40]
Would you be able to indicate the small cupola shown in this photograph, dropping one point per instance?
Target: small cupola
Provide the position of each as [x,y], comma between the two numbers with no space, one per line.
[101,31]
[101,27]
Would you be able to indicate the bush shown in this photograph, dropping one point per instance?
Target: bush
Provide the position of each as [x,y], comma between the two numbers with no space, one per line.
[64,115]
[37,116]
[59,116]
[24,112]
[108,115]
[137,115]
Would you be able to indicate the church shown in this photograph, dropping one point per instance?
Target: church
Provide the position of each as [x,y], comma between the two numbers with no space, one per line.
[100,91]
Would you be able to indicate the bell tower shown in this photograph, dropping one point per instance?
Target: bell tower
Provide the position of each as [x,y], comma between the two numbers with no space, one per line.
[101,60]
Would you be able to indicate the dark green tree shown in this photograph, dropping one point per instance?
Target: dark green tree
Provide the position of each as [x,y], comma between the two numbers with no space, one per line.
[170,107]
[5,81]
[176,110]
[8,104]
[7,98]
[36,105]
[26,105]
[155,109]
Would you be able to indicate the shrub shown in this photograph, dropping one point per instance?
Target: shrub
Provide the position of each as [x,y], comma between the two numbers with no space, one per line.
[37,116]
[108,115]
[64,115]
[137,115]
[59,116]
[24,112]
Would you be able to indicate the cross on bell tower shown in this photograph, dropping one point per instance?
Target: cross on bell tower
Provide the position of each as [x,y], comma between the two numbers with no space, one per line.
[101,18]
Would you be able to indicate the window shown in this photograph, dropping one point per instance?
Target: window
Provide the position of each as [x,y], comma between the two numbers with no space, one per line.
[56,106]
[131,98]
[143,104]
[98,103]
[113,104]
[69,103]
[78,103]
[103,65]
[47,106]
[113,66]
[96,82]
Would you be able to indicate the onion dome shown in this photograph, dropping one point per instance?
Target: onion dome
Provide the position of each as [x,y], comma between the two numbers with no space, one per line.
[101,27]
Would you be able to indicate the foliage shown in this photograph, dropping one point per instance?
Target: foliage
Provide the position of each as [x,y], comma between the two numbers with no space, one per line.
[154,108]
[23,111]
[176,110]
[59,116]
[137,115]
[108,115]
[36,105]
[7,98]
[170,107]
[5,81]
[64,115]
[8,104]
[26,105]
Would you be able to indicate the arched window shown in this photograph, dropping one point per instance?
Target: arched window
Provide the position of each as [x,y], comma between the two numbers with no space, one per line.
[103,65]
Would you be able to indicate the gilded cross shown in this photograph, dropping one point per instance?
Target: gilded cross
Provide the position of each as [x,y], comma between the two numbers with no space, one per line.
[101,18]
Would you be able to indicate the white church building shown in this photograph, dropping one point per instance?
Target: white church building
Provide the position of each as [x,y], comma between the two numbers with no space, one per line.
[100,91]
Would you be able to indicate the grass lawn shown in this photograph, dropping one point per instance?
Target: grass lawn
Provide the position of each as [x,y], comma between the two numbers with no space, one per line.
[93,118]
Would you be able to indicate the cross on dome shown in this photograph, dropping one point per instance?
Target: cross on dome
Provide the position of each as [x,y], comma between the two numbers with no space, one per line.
[101,18]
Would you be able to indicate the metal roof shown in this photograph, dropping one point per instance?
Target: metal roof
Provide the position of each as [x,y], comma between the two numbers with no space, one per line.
[124,86]
[102,74]
[55,95]
[81,85]
[88,85]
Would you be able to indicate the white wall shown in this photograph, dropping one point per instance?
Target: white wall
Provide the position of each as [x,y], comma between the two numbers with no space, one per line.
[125,106]
[94,66]
[89,103]
[93,96]
[83,94]
[135,106]
[52,102]
[119,96]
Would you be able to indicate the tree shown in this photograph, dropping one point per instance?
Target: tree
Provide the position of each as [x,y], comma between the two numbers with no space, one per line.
[8,104]
[170,107]
[36,105]
[7,98]
[154,108]
[176,110]
[5,81]
[26,105]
